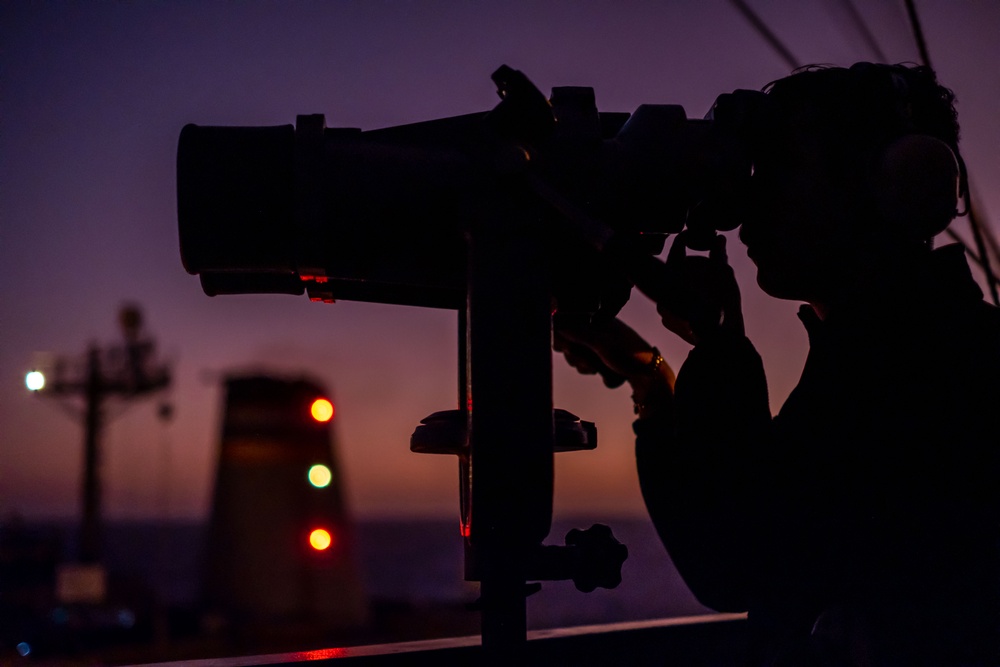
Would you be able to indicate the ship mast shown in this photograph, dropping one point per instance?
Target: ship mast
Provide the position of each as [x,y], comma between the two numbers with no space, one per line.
[125,371]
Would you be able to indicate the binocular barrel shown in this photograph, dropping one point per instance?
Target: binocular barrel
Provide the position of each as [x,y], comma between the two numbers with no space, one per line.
[382,215]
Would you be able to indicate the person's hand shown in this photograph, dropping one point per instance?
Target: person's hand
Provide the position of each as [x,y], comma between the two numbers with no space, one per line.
[614,350]
[584,359]
[609,345]
[699,295]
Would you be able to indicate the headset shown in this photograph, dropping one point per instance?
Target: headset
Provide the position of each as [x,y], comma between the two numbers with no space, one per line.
[918,179]
[918,186]
[903,123]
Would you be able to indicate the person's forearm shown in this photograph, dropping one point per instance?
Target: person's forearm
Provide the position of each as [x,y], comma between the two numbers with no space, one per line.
[695,462]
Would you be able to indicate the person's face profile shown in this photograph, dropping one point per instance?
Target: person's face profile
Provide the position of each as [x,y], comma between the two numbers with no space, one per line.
[797,229]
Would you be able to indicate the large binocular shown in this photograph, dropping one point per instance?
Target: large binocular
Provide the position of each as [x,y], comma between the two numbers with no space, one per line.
[383,215]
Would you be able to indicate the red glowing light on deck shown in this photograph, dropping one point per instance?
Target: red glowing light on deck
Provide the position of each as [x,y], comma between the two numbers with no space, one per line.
[320,539]
[322,410]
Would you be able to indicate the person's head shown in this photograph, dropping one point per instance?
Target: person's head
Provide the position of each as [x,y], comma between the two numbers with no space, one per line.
[851,164]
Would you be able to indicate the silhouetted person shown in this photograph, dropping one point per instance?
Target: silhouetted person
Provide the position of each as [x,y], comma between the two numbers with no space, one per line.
[861,524]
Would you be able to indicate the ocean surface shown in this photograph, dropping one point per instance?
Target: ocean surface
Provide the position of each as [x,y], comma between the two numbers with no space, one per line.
[417,562]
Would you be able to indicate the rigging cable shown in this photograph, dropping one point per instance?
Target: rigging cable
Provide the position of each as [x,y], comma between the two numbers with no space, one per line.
[862,27]
[766,33]
[983,257]
[974,224]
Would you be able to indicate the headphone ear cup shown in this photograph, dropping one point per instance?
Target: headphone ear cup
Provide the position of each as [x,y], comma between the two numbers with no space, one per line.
[917,186]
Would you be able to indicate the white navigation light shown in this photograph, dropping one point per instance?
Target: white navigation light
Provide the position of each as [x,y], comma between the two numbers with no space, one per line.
[34,380]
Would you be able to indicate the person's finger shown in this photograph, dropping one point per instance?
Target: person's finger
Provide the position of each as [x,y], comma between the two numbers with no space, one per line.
[582,363]
[612,379]
[677,251]
[718,250]
[612,345]
[677,325]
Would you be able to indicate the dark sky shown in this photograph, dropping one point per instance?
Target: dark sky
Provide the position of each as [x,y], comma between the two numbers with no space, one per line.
[93,97]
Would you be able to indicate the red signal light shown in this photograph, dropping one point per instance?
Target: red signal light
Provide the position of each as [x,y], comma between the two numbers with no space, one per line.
[320,539]
[321,410]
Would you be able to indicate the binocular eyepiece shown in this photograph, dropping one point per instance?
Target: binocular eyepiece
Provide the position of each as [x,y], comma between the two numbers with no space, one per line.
[383,215]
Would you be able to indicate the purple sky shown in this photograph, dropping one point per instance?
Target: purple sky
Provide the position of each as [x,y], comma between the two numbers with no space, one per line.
[92,100]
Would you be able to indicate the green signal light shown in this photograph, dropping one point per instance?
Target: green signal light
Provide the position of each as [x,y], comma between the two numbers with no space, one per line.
[320,476]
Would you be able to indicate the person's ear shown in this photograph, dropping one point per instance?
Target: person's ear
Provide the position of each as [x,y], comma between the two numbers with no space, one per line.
[917,186]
